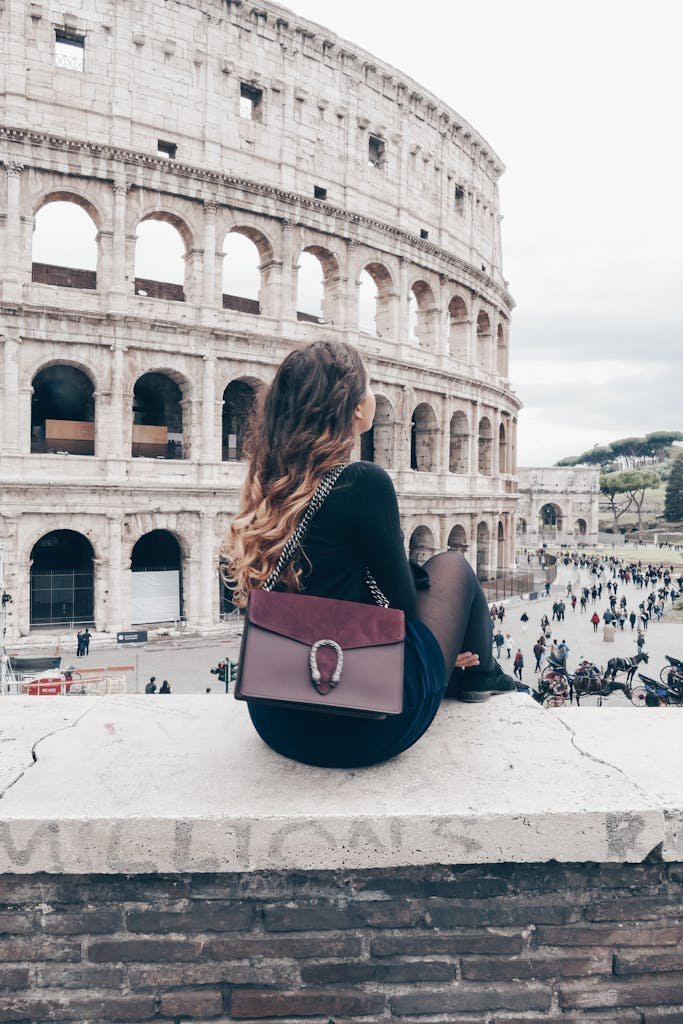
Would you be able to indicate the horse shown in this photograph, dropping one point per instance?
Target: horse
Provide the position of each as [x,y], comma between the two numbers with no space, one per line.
[627,665]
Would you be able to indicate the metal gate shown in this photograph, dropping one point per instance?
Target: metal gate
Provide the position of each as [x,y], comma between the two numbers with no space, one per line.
[61,596]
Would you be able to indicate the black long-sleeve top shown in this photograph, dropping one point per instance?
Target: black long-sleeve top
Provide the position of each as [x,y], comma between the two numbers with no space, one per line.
[358,526]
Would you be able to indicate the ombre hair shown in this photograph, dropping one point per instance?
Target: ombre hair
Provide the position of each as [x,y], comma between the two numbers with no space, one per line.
[302,426]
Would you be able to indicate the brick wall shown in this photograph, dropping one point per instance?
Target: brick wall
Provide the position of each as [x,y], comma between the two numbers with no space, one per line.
[508,944]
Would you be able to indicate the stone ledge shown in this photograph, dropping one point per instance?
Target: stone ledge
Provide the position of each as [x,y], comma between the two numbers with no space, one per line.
[129,784]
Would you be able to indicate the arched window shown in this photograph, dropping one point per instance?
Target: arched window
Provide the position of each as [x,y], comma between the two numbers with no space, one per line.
[458,329]
[485,446]
[241,274]
[501,546]
[421,546]
[502,450]
[310,293]
[483,340]
[457,539]
[483,536]
[459,456]
[421,314]
[374,300]
[377,444]
[580,528]
[64,250]
[157,418]
[62,582]
[423,439]
[156,579]
[62,411]
[521,527]
[159,259]
[238,406]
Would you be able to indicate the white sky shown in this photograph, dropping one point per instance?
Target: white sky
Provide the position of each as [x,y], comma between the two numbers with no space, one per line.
[582,102]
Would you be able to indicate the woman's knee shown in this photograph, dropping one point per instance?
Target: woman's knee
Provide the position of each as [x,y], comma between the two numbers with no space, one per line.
[450,563]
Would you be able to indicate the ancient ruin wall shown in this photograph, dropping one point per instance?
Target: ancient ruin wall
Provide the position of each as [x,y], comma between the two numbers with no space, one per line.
[343,157]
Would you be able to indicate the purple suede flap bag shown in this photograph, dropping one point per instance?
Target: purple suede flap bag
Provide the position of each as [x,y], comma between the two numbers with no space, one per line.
[318,653]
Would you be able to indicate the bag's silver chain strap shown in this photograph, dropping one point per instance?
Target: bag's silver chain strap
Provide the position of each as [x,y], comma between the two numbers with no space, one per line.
[326,484]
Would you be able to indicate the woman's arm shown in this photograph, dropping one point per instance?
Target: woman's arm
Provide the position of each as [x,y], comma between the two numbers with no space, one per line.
[378,536]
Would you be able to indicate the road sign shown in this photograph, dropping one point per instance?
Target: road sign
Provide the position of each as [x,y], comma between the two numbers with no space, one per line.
[135,636]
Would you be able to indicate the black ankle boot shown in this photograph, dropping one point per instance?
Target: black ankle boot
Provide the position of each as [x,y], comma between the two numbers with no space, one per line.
[473,687]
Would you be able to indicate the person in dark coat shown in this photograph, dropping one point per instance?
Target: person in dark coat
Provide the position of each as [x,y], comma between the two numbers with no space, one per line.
[165,688]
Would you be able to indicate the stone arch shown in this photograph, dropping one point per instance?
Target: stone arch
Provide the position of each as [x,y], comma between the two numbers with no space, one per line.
[422,313]
[483,543]
[423,439]
[457,539]
[245,251]
[485,446]
[483,339]
[550,519]
[64,246]
[159,400]
[239,398]
[422,546]
[317,297]
[63,409]
[459,452]
[161,230]
[156,564]
[459,329]
[377,321]
[501,351]
[580,527]
[377,444]
[502,450]
[62,579]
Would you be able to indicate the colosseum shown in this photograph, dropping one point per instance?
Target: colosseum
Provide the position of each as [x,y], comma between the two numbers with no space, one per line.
[246,182]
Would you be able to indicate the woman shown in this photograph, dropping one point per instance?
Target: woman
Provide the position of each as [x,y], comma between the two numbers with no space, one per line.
[306,422]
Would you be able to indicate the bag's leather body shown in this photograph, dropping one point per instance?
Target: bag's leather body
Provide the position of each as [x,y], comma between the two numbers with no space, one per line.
[322,654]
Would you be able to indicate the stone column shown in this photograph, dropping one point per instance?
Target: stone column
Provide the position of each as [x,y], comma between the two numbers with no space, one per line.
[207,575]
[403,325]
[474,439]
[207,451]
[209,282]
[288,278]
[349,297]
[17,587]
[12,276]
[120,281]
[496,468]
[403,428]
[445,437]
[99,600]
[114,619]
[116,443]
[9,412]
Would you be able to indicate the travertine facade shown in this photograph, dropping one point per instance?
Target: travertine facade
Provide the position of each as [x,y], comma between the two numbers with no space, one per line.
[558,505]
[220,117]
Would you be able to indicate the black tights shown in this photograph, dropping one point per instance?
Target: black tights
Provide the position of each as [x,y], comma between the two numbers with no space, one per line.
[456,611]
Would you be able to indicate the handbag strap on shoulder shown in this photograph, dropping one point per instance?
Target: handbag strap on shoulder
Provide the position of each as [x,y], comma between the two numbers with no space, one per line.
[322,492]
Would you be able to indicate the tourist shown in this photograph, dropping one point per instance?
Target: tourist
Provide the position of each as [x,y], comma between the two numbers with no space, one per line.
[524,619]
[151,685]
[498,640]
[508,645]
[518,664]
[306,422]
[539,651]
[79,644]
[165,688]
[87,636]
[595,619]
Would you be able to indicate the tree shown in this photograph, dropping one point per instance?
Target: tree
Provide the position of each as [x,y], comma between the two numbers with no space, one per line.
[635,483]
[673,507]
[613,485]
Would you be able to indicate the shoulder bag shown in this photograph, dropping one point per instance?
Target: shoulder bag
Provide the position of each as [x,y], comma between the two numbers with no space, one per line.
[317,653]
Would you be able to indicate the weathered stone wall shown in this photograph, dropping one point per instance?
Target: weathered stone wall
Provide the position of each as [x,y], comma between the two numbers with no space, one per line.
[501,944]
[572,492]
[173,72]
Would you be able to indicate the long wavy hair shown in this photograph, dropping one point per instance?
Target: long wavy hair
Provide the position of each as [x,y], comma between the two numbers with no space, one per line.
[302,426]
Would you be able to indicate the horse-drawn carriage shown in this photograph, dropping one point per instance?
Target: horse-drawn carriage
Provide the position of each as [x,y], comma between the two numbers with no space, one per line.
[556,684]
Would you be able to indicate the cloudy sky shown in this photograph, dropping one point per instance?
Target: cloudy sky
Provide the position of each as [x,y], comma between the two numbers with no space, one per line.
[582,101]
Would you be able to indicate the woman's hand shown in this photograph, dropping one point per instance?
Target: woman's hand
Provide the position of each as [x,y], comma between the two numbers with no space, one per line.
[466,660]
